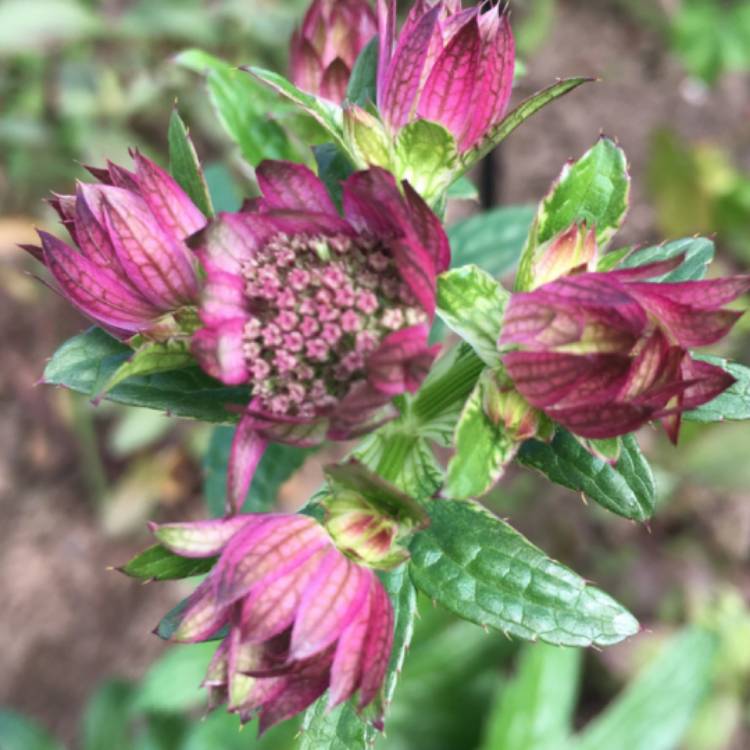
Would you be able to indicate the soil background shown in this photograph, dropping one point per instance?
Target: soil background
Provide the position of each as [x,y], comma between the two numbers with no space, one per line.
[67,623]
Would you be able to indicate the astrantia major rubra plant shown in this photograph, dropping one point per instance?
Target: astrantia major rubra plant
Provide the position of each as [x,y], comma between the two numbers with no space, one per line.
[309,315]
[327,44]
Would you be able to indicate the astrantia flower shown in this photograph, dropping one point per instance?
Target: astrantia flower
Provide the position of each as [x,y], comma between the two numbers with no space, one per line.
[325,48]
[131,270]
[604,353]
[449,65]
[302,618]
[325,318]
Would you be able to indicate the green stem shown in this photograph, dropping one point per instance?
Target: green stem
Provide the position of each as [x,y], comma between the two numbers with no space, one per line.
[88,443]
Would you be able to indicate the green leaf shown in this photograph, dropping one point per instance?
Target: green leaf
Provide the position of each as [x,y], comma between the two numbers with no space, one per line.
[279,462]
[88,361]
[106,720]
[426,155]
[733,404]
[343,728]
[626,489]
[492,240]
[185,166]
[334,166]
[362,88]
[698,252]
[463,189]
[242,107]
[656,710]
[483,450]
[535,711]
[151,358]
[518,116]
[480,568]
[173,684]
[472,304]
[329,115]
[18,733]
[594,189]
[157,563]
[222,731]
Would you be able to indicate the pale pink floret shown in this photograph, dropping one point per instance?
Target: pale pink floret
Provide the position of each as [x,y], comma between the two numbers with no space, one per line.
[448,65]
[302,617]
[324,50]
[604,353]
[131,266]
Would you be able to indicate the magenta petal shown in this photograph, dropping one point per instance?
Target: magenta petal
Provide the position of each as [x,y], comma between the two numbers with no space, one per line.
[709,294]
[232,239]
[373,203]
[294,187]
[386,10]
[330,602]
[378,644]
[429,229]
[219,352]
[707,381]
[91,234]
[247,450]
[96,292]
[447,96]
[199,538]
[402,361]
[223,296]
[202,617]
[300,692]
[171,206]
[604,421]
[158,264]
[405,72]
[649,270]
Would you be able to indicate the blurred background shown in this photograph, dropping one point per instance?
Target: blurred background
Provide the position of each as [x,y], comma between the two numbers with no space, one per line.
[83,80]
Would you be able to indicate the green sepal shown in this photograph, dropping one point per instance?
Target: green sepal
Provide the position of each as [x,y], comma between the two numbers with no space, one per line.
[185,166]
[157,563]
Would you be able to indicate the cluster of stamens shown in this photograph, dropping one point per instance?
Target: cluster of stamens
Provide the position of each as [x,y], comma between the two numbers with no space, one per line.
[321,306]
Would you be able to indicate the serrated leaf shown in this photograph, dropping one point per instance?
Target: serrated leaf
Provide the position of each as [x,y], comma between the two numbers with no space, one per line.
[481,569]
[463,189]
[492,240]
[185,166]
[362,88]
[242,108]
[334,166]
[595,189]
[627,489]
[472,304]
[698,252]
[151,358]
[279,462]
[733,404]
[426,155]
[173,683]
[157,563]
[343,728]
[88,361]
[483,449]
[329,115]
[518,116]
[535,711]
[656,710]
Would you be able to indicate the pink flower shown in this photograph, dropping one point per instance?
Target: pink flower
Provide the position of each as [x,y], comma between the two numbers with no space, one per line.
[296,212]
[325,48]
[131,267]
[302,618]
[448,65]
[604,353]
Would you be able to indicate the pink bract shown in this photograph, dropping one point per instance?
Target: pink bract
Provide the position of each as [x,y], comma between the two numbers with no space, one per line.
[302,618]
[450,65]
[131,267]
[325,48]
[325,318]
[604,353]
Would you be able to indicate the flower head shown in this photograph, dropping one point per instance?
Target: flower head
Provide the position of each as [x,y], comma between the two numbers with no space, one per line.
[131,268]
[448,65]
[604,353]
[301,617]
[325,48]
[325,318]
